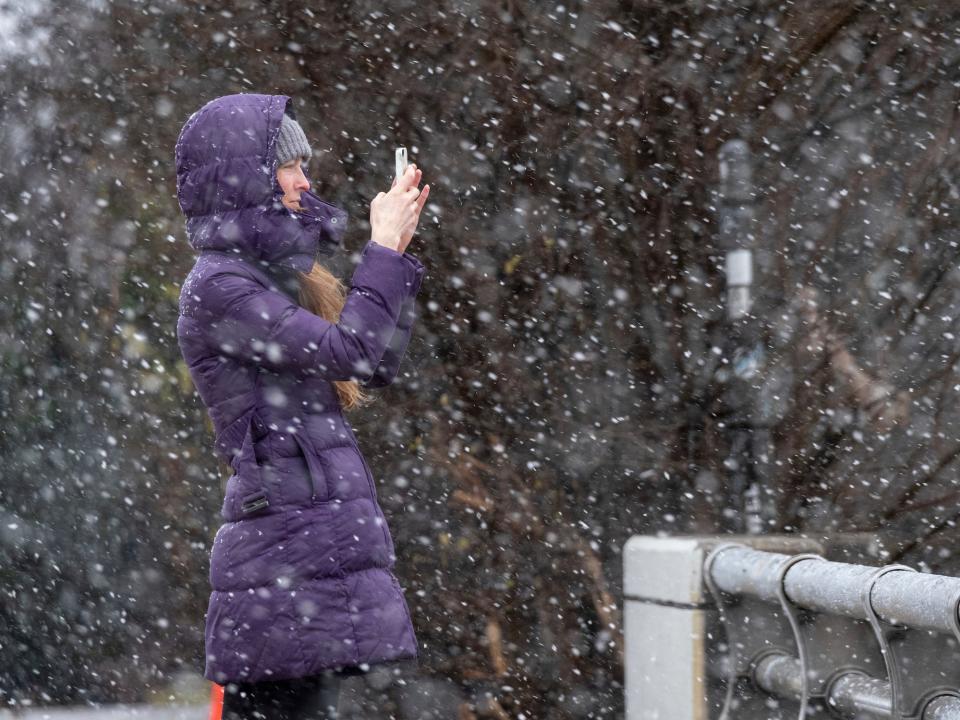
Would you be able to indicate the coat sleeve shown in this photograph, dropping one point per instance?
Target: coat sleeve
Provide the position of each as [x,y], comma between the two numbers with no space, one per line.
[389,364]
[255,325]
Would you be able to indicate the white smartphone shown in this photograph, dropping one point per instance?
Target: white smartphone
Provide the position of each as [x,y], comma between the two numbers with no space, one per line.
[401,161]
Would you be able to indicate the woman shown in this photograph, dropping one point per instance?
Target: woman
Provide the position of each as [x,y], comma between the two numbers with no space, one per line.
[301,569]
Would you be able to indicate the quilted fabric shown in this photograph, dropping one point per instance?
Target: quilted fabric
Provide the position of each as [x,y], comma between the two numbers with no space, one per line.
[301,568]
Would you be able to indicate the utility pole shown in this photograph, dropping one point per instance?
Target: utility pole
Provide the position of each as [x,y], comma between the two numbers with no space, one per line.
[749,438]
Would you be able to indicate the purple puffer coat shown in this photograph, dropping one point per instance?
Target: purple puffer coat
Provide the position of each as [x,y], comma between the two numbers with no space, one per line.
[301,569]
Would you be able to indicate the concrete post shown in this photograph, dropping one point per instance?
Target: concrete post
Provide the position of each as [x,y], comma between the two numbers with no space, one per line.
[664,628]
[667,611]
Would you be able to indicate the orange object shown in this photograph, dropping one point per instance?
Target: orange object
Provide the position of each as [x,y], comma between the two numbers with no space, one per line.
[216,701]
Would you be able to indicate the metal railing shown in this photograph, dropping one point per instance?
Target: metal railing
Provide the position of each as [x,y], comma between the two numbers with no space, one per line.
[792,635]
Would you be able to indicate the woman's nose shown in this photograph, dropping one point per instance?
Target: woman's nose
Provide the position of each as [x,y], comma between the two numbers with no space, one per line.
[302,181]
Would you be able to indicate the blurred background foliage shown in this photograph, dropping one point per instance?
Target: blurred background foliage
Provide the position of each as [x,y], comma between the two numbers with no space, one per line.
[568,381]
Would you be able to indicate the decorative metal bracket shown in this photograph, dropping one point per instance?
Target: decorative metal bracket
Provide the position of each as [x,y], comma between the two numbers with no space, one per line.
[912,655]
[754,630]
[790,610]
[889,658]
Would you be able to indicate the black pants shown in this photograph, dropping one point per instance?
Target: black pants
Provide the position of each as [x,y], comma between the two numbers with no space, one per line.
[308,698]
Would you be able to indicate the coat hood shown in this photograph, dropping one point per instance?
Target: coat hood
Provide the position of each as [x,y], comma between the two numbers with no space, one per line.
[227,186]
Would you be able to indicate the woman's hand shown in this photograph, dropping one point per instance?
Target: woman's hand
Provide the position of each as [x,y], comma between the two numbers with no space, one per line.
[394,215]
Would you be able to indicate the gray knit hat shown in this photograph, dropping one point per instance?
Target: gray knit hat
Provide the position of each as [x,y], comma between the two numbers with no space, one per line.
[291,142]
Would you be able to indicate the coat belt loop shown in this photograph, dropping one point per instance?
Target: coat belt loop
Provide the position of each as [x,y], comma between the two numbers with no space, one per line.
[317,481]
[256,500]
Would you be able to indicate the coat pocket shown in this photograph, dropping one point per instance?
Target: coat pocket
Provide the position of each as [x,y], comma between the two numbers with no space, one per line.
[345,472]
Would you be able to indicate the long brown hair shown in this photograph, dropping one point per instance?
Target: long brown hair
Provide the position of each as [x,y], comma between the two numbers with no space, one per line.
[323,294]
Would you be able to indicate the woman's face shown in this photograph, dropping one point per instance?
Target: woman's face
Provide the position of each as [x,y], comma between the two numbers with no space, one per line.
[292,182]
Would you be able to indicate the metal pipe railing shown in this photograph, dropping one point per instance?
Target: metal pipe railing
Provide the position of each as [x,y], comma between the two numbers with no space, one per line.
[827,638]
[942,708]
[850,694]
[918,600]
[855,693]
